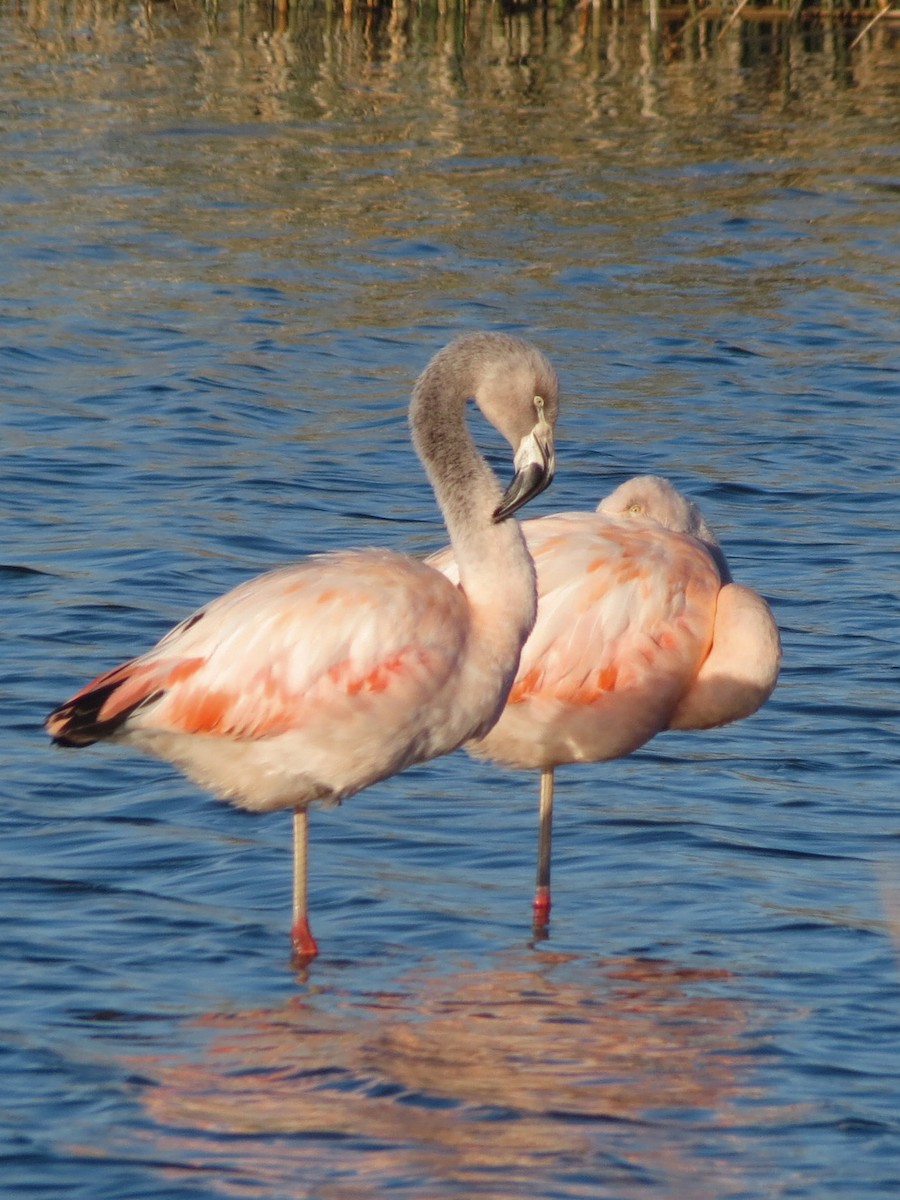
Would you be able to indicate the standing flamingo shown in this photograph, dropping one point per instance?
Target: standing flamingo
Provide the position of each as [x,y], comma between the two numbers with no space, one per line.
[639,629]
[311,682]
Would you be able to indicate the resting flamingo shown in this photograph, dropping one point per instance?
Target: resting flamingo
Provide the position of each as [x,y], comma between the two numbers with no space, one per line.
[311,682]
[639,629]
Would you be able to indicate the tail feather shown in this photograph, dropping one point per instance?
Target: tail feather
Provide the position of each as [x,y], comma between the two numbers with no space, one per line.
[102,706]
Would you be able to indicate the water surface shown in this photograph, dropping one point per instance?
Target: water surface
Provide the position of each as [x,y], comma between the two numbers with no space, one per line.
[229,244]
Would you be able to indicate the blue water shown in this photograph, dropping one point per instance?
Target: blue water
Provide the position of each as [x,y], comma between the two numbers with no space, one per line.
[227,250]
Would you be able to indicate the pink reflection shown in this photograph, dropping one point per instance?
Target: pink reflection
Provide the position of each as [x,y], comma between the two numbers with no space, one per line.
[483,1079]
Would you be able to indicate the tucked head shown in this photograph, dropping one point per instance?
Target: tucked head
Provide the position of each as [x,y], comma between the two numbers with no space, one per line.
[655,499]
[652,498]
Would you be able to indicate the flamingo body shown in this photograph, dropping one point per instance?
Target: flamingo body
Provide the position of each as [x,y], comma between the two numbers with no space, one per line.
[640,628]
[740,671]
[307,683]
[626,613]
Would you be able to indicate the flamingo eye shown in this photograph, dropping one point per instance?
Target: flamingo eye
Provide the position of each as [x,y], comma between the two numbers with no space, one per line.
[636,509]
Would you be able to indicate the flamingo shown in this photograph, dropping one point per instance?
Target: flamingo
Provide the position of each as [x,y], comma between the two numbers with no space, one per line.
[640,628]
[314,681]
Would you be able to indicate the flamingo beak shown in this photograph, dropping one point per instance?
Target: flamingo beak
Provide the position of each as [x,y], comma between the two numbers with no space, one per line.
[535,462]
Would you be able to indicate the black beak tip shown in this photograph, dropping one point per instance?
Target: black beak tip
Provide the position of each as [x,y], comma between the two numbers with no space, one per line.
[526,484]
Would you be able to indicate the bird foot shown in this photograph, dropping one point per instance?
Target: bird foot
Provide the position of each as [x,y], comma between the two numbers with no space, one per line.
[541,912]
[304,947]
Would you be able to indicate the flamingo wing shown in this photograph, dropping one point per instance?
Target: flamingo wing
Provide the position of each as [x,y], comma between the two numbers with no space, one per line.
[366,634]
[617,604]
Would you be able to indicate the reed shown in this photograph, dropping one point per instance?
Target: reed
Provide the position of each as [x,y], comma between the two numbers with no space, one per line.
[670,19]
[656,11]
[852,33]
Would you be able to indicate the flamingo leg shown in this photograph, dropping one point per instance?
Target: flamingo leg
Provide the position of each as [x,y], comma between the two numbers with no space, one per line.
[302,941]
[541,917]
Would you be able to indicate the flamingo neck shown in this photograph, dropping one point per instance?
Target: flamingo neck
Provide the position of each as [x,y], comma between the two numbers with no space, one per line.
[496,572]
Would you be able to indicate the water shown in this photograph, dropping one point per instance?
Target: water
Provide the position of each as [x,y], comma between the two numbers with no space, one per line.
[228,246]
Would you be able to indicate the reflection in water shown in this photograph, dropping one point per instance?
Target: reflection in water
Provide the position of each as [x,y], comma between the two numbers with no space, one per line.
[487,1078]
[225,167]
[287,60]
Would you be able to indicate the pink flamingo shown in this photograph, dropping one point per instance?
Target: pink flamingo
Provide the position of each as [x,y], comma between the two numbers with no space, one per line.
[311,682]
[639,629]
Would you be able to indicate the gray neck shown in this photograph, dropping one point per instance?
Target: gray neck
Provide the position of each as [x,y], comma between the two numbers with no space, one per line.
[465,487]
